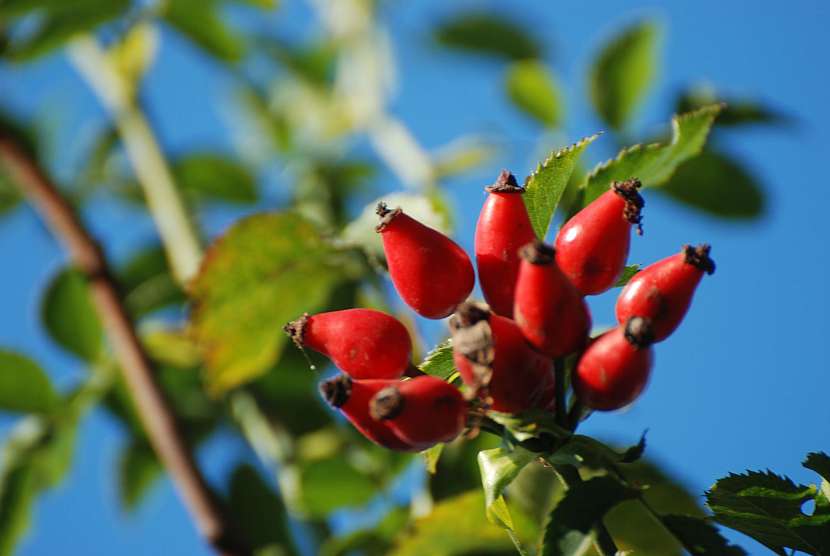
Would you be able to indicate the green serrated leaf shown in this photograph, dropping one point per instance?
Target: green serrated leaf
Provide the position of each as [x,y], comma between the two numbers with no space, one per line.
[654,164]
[545,186]
[487,33]
[628,273]
[263,272]
[571,522]
[623,72]
[214,177]
[439,362]
[716,184]
[820,463]
[138,469]
[24,386]
[202,23]
[498,469]
[700,537]
[533,89]
[69,316]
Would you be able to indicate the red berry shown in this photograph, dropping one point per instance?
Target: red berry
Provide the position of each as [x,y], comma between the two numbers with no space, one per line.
[615,368]
[663,291]
[352,398]
[493,358]
[592,247]
[503,227]
[423,411]
[363,343]
[430,271]
[549,310]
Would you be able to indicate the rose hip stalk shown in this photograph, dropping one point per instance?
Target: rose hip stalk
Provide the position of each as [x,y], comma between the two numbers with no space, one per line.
[614,370]
[592,247]
[352,398]
[493,358]
[422,411]
[549,310]
[363,343]
[663,291]
[431,273]
[503,227]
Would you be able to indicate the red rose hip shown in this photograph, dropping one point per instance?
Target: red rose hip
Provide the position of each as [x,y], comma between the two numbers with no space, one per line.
[549,310]
[422,411]
[503,227]
[352,398]
[495,360]
[431,273]
[363,343]
[614,370]
[663,291]
[592,247]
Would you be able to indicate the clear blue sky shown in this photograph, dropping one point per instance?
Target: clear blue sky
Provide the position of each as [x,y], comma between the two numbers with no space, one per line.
[744,382]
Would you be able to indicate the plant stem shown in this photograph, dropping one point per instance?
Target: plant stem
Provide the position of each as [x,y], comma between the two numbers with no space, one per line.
[154,411]
[603,542]
[178,234]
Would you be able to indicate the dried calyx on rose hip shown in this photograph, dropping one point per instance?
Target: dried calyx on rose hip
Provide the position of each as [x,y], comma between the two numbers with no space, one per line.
[431,272]
[362,343]
[549,310]
[352,398]
[663,291]
[503,227]
[592,247]
[422,411]
[496,362]
[615,368]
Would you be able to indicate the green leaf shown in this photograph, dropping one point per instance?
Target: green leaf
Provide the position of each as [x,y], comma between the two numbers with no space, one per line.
[767,507]
[431,457]
[820,463]
[462,155]
[628,273]
[623,72]
[545,186]
[334,483]
[700,537]
[135,53]
[439,362]
[258,511]
[147,282]
[533,89]
[736,112]
[571,522]
[202,23]
[266,270]
[498,469]
[69,316]
[9,197]
[489,34]
[215,177]
[715,183]
[654,164]
[377,540]
[585,451]
[138,469]
[24,387]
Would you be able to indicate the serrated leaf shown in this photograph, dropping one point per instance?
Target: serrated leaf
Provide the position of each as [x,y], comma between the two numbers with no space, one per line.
[24,386]
[439,362]
[716,184]
[654,164]
[69,316]
[700,537]
[202,23]
[498,469]
[623,72]
[533,89]
[138,469]
[820,463]
[266,270]
[628,273]
[210,176]
[585,503]
[767,507]
[487,33]
[545,186]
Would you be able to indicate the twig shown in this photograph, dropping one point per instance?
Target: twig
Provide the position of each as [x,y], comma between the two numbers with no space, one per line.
[156,415]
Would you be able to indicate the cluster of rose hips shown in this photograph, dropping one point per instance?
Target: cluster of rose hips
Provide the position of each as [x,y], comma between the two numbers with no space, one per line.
[506,352]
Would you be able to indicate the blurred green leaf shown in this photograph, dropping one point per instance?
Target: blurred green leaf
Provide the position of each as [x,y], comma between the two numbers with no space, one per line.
[215,177]
[171,346]
[314,63]
[334,483]
[623,72]
[147,282]
[628,273]
[135,52]
[545,186]
[654,164]
[375,541]
[458,470]
[9,197]
[487,33]
[69,317]
[24,387]
[439,362]
[263,272]
[431,457]
[715,183]
[201,21]
[736,112]
[499,467]
[464,154]
[700,537]
[258,511]
[533,89]
[138,469]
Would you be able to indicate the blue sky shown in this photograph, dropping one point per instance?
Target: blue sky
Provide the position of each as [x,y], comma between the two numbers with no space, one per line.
[742,384]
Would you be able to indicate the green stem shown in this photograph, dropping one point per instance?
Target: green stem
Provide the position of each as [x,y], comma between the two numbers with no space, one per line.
[178,234]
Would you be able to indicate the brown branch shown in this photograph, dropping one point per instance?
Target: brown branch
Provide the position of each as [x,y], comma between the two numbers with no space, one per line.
[155,412]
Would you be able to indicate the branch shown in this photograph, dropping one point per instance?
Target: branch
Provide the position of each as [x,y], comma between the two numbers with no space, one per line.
[156,415]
